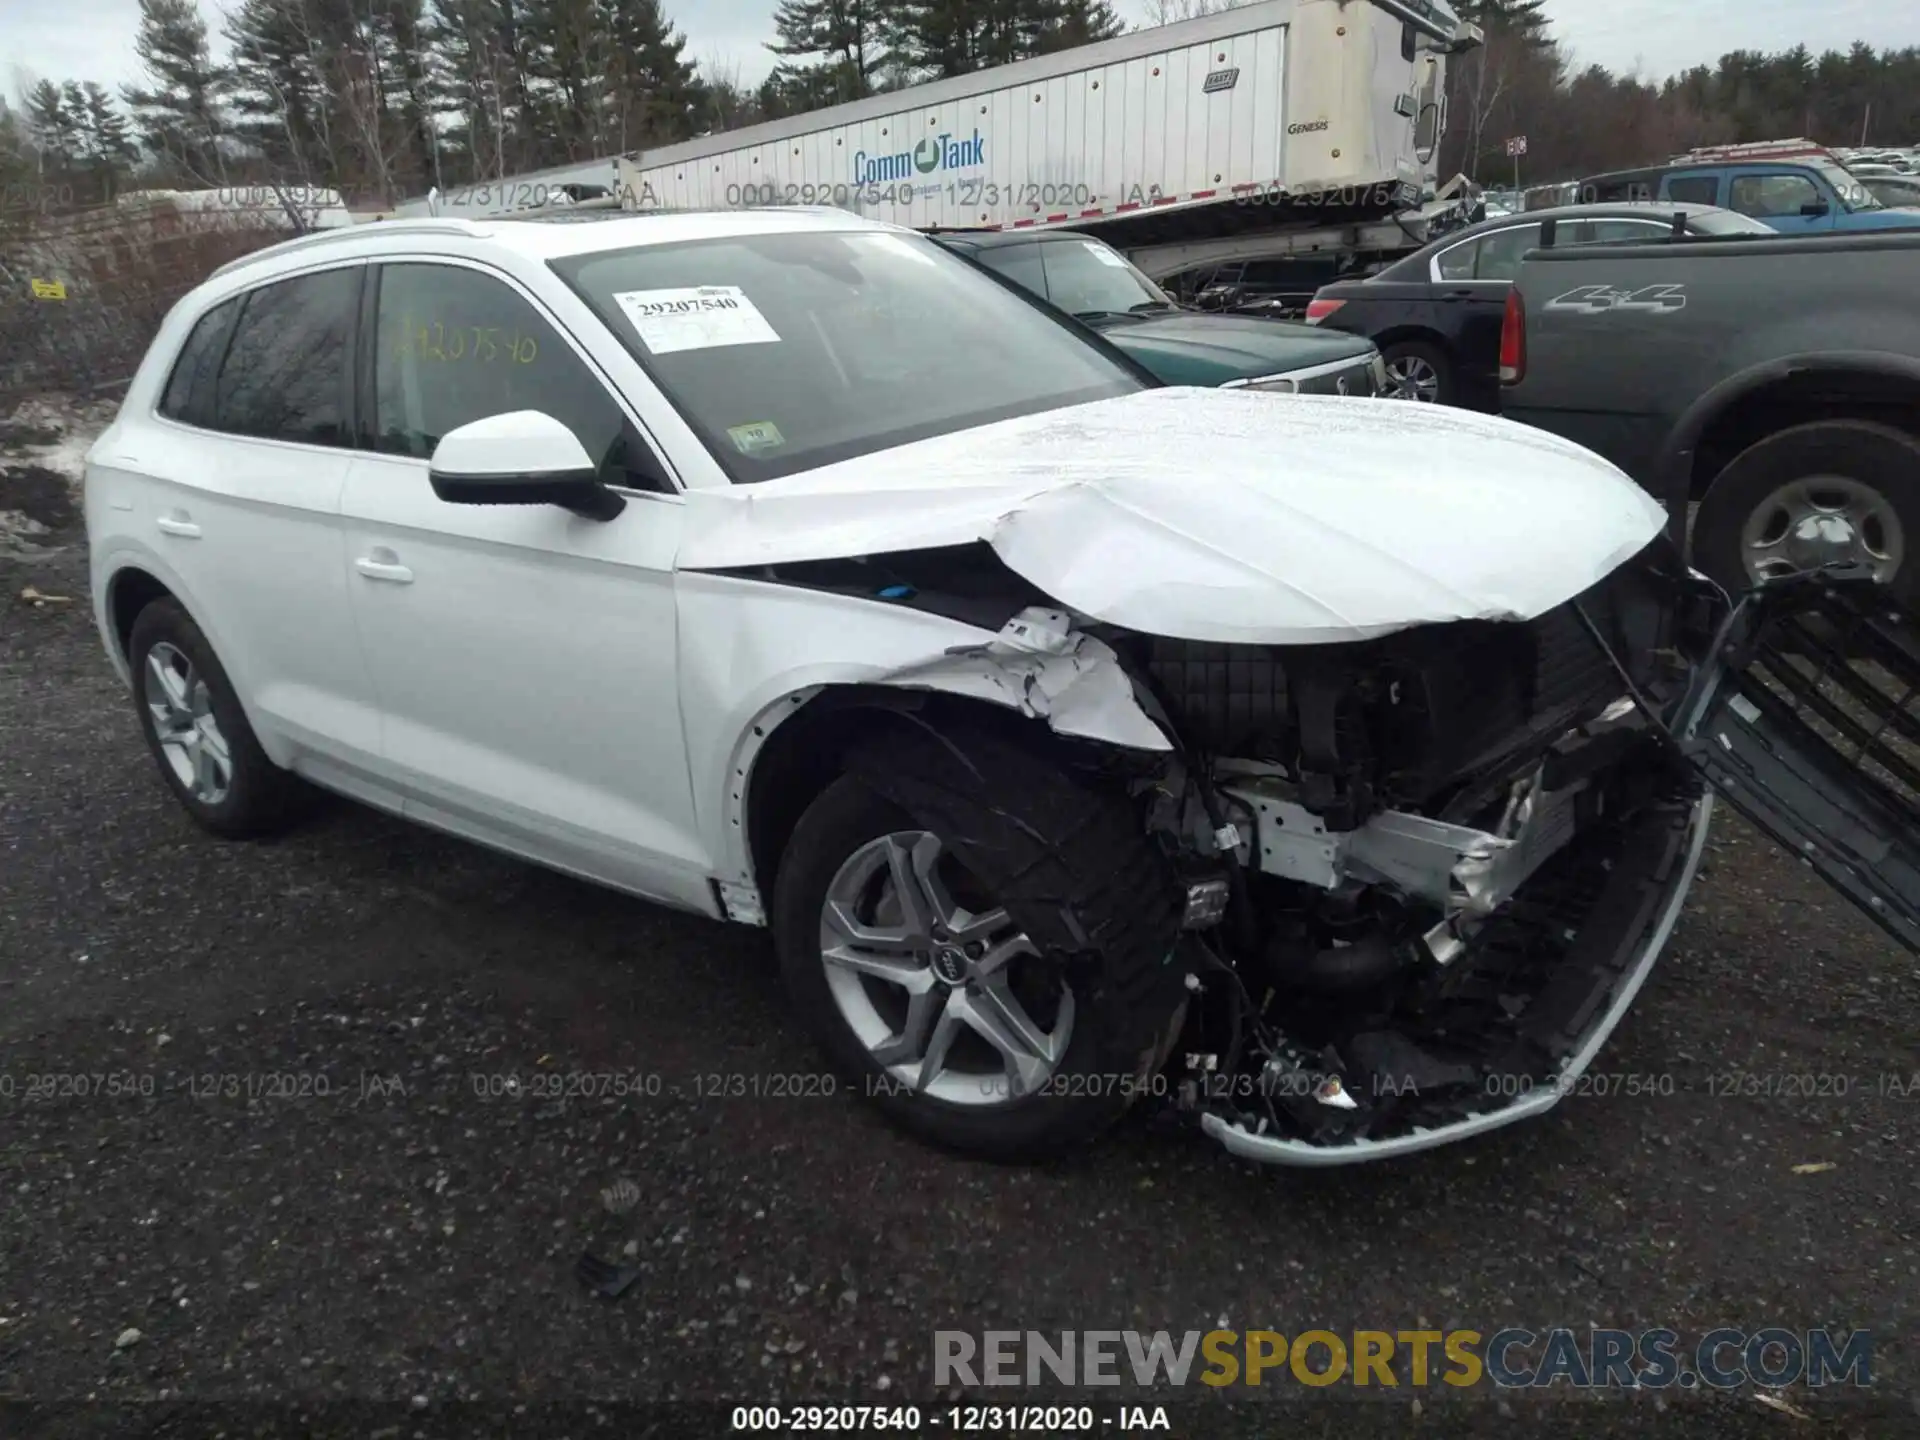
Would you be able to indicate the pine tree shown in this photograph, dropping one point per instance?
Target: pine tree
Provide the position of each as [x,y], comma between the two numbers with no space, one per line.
[840,38]
[17,168]
[279,91]
[1072,23]
[1526,20]
[54,118]
[179,113]
[653,92]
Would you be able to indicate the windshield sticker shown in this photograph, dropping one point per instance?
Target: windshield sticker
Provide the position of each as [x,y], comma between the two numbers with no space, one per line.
[1104,255]
[694,317]
[752,439]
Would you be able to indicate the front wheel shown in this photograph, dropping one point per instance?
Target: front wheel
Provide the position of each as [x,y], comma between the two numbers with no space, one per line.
[991,965]
[1830,492]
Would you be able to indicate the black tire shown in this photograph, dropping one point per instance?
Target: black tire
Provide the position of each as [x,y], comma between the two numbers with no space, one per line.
[1879,456]
[260,797]
[1071,864]
[1437,359]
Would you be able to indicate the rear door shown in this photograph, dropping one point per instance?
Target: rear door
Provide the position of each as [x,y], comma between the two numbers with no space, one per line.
[252,455]
[1694,187]
[1805,717]
[1476,305]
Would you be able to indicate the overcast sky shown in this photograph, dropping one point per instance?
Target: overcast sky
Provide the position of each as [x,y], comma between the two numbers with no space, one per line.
[93,39]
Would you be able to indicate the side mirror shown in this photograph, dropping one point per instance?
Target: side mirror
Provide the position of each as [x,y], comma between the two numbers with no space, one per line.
[525,457]
[1814,207]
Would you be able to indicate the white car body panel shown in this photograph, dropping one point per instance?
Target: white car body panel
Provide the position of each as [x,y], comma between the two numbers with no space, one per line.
[1223,515]
[524,662]
[284,644]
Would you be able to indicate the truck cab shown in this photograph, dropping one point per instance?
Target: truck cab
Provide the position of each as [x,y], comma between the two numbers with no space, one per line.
[1794,187]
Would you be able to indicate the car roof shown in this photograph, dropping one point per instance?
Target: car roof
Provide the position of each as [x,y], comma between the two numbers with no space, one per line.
[1621,210]
[537,236]
[987,239]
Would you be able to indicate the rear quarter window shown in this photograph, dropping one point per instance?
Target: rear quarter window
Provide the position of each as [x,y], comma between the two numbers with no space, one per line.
[189,393]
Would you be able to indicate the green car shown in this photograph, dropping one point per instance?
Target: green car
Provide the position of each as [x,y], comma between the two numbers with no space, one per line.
[1099,286]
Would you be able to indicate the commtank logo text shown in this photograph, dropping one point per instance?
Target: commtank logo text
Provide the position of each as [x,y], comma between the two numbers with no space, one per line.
[936,152]
[1510,1358]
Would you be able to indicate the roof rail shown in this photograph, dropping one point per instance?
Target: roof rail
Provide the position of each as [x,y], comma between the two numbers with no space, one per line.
[1754,150]
[320,238]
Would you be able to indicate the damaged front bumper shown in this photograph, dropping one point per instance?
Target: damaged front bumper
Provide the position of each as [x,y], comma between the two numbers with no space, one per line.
[1634,915]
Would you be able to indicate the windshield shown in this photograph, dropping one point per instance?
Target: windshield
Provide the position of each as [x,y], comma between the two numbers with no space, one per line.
[788,351]
[1902,192]
[1852,191]
[1085,277]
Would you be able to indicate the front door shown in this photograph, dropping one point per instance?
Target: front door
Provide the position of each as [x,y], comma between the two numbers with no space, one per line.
[1787,200]
[524,656]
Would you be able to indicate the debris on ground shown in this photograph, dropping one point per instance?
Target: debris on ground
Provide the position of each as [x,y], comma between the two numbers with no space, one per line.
[603,1277]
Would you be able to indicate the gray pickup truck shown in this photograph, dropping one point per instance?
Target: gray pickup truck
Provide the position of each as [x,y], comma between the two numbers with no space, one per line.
[1774,381]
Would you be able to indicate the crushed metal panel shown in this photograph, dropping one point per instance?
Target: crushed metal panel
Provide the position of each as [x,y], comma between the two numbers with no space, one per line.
[1112,511]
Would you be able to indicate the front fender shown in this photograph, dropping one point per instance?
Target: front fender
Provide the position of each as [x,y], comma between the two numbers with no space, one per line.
[752,653]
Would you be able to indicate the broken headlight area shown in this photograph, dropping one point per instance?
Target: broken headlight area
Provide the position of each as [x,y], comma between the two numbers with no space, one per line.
[1449,856]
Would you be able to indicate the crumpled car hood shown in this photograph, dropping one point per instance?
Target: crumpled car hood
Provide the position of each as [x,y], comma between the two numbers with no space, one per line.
[1221,515]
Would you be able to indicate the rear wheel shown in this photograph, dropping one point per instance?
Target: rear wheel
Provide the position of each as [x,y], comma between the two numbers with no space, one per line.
[986,952]
[198,732]
[1418,371]
[1835,491]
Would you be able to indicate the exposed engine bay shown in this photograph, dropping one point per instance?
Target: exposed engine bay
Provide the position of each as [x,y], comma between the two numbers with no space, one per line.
[1426,873]
[1419,868]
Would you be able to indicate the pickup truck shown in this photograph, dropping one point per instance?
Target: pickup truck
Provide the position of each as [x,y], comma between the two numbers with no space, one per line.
[1792,194]
[1776,381]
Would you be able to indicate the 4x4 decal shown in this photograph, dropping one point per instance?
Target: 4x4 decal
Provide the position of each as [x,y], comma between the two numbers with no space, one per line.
[1600,299]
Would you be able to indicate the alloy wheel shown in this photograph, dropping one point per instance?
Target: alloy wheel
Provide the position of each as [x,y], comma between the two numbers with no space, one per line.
[1411,377]
[180,708]
[951,1001]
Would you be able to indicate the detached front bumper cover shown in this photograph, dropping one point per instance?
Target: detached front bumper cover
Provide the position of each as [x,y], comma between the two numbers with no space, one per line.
[1802,717]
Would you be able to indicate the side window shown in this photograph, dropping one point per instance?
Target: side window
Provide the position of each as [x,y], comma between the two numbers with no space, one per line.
[189,392]
[456,346]
[1457,263]
[1694,189]
[1020,264]
[1500,252]
[285,373]
[1601,231]
[1768,196]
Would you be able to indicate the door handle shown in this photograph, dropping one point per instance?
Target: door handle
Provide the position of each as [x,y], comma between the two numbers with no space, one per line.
[384,565]
[178,524]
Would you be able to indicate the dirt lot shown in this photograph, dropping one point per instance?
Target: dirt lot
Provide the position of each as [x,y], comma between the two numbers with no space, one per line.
[386,1228]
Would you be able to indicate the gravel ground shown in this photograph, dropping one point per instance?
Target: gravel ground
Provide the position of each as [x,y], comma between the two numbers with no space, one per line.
[381,1230]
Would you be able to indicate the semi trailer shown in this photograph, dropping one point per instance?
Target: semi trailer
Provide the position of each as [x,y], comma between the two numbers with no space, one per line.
[1290,126]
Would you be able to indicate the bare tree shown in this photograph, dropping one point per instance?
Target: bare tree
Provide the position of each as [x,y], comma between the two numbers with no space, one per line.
[1168,12]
